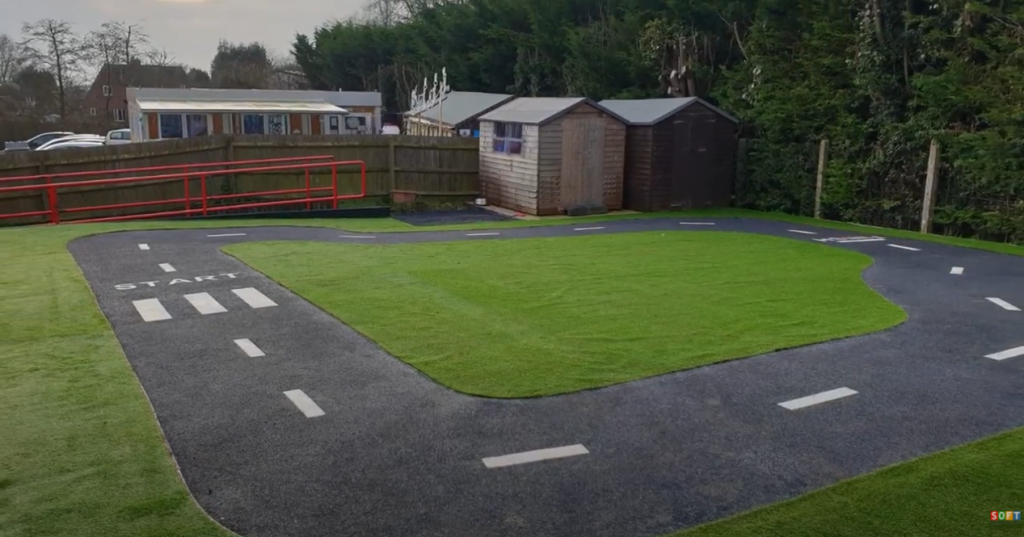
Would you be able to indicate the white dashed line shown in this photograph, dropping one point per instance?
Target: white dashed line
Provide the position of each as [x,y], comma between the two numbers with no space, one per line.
[167,267]
[1002,304]
[249,348]
[956,270]
[304,403]
[817,398]
[204,303]
[151,310]
[1012,353]
[357,236]
[901,247]
[254,298]
[802,232]
[482,234]
[228,235]
[535,456]
[588,228]
[696,223]
[143,246]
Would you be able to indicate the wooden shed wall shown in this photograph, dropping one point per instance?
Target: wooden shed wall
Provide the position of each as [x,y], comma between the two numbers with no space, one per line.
[509,181]
[550,162]
[709,183]
[637,184]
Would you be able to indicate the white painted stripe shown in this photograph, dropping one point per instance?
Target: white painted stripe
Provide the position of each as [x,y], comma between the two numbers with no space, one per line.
[817,398]
[167,267]
[204,303]
[1012,353]
[249,347]
[1003,304]
[802,232]
[151,310]
[305,404]
[588,228]
[905,248]
[696,223]
[956,270]
[143,246]
[358,236]
[869,239]
[482,234]
[254,298]
[534,456]
[228,235]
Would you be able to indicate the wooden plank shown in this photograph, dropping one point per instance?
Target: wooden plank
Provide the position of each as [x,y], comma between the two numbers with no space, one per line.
[822,163]
[930,187]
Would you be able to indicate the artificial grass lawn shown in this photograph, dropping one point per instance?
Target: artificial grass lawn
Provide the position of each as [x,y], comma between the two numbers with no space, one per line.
[548,316]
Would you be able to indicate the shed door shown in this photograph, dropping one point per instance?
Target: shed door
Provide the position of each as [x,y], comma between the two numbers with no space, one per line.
[582,162]
[681,161]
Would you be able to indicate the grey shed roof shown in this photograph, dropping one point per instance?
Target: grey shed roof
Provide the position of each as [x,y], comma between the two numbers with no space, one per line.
[652,111]
[540,110]
[464,105]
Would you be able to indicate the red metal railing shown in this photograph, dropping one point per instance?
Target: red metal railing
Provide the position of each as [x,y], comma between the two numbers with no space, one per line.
[199,166]
[54,211]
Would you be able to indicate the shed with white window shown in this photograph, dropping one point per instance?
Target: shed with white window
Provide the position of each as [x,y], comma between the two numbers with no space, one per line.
[552,155]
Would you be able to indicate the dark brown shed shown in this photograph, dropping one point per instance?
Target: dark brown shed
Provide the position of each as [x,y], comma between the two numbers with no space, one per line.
[680,153]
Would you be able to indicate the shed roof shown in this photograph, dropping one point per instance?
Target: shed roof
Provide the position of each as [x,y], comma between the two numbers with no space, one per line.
[339,98]
[541,110]
[273,107]
[462,106]
[652,111]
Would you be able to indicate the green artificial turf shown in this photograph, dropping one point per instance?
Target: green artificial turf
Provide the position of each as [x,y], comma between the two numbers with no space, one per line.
[538,317]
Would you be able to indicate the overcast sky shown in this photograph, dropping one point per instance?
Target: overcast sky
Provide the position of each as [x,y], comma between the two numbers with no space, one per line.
[188,29]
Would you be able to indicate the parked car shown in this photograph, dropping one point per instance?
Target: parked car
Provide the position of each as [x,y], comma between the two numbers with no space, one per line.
[74,143]
[84,138]
[119,137]
[34,143]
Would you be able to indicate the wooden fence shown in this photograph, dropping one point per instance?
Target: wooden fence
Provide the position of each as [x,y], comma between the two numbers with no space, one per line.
[421,165]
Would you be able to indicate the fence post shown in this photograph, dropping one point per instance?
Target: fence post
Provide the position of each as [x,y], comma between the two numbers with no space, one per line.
[391,165]
[931,185]
[44,192]
[822,163]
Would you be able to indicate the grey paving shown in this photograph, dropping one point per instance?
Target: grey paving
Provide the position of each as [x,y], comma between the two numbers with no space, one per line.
[399,455]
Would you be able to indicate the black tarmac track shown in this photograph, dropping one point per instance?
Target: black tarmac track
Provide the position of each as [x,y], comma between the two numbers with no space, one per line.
[396,454]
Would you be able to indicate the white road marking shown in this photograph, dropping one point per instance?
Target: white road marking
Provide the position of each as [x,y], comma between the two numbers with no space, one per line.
[204,303]
[357,236]
[1012,353]
[1002,304]
[482,234]
[151,310]
[249,348]
[228,235]
[254,298]
[534,456]
[696,223]
[588,228]
[143,246]
[167,267]
[817,398]
[849,240]
[305,404]
[905,248]
[956,270]
[802,232]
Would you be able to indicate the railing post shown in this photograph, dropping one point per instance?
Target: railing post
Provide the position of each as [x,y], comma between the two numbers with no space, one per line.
[334,185]
[309,203]
[188,197]
[362,172]
[51,192]
[202,182]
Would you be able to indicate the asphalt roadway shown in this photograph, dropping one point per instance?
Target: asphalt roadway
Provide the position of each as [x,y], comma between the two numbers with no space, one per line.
[396,454]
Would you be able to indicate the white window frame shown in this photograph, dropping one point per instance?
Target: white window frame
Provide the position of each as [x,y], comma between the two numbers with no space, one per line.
[506,141]
[119,115]
[184,125]
[107,91]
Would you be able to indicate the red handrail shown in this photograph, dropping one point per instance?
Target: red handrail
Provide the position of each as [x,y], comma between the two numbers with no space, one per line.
[169,167]
[54,211]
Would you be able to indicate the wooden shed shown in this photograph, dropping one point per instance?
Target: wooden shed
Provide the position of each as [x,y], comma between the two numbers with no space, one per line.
[552,155]
[680,153]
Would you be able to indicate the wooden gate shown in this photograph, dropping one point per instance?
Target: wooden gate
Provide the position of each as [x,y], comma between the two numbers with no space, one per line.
[582,162]
[680,162]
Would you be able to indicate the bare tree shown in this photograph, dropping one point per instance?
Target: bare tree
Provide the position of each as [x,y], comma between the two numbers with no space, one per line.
[56,48]
[161,57]
[384,12]
[12,58]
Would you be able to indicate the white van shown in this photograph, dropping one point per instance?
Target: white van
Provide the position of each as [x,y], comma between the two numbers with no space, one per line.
[119,136]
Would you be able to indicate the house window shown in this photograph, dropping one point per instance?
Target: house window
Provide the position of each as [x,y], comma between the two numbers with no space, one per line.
[92,111]
[278,124]
[170,126]
[508,138]
[253,124]
[119,114]
[197,125]
[107,92]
